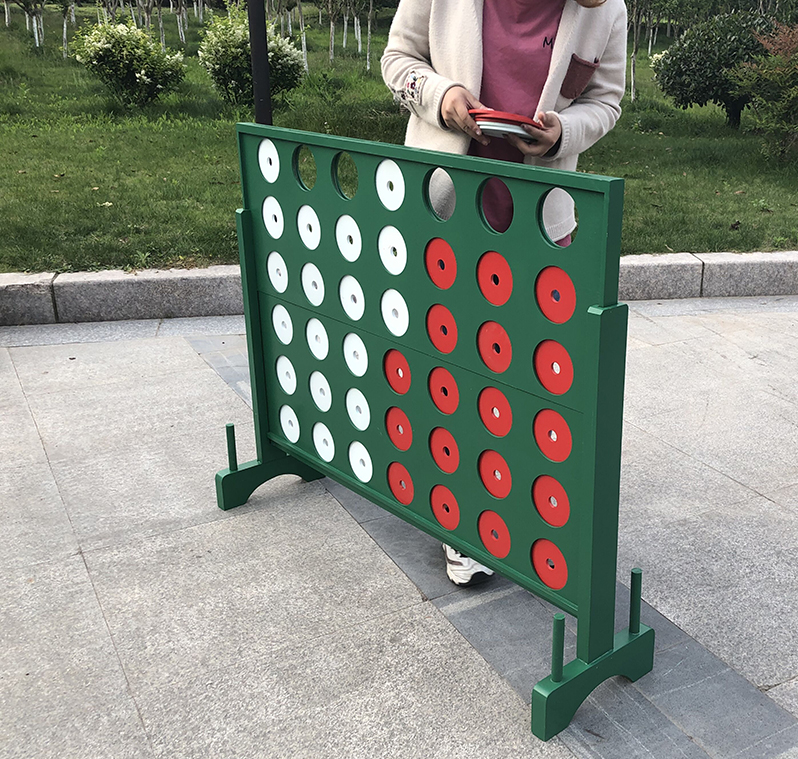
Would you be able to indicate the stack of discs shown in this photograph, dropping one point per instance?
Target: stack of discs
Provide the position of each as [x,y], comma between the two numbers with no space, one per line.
[501,123]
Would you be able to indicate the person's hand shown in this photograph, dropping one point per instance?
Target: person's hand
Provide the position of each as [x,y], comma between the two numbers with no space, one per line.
[454,112]
[545,138]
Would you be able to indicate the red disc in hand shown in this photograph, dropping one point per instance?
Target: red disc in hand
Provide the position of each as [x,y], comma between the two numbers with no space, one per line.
[554,367]
[494,347]
[550,564]
[399,430]
[400,483]
[552,435]
[495,278]
[441,263]
[444,450]
[495,411]
[495,474]
[442,328]
[444,506]
[443,390]
[494,534]
[551,500]
[397,371]
[555,294]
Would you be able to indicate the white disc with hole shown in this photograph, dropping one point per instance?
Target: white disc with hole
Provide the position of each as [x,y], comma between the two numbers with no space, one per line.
[286,375]
[390,184]
[268,160]
[289,423]
[352,298]
[278,271]
[318,342]
[355,355]
[283,326]
[323,440]
[307,222]
[393,251]
[320,391]
[394,312]
[347,235]
[358,409]
[273,217]
[360,461]
[313,284]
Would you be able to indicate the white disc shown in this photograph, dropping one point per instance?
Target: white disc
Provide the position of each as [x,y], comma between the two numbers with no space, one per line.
[320,391]
[278,271]
[347,235]
[268,160]
[390,184]
[323,440]
[318,342]
[283,326]
[358,409]
[286,375]
[289,423]
[273,217]
[393,251]
[394,312]
[352,298]
[355,354]
[313,284]
[307,222]
[360,461]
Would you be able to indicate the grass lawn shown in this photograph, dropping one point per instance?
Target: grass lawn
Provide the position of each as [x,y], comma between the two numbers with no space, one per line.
[84,185]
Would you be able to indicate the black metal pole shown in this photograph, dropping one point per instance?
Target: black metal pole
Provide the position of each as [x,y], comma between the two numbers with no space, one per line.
[256,11]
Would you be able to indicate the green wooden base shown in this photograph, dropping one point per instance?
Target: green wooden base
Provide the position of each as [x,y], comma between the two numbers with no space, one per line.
[555,703]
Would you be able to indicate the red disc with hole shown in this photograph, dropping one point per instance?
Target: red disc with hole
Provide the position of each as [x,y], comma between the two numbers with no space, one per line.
[441,263]
[444,506]
[494,347]
[551,500]
[399,430]
[495,411]
[444,450]
[552,435]
[397,371]
[494,534]
[555,294]
[442,328]
[495,278]
[495,474]
[400,483]
[443,390]
[554,367]
[550,564]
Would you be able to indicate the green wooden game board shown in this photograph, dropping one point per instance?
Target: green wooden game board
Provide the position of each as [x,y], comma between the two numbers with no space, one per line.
[468,381]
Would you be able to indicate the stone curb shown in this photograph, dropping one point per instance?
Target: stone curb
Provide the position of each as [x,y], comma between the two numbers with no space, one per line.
[216,291]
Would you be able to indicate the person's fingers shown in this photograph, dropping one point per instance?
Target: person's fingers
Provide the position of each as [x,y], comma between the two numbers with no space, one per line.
[525,147]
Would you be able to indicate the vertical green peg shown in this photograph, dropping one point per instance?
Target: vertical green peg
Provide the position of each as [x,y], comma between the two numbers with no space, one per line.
[634,601]
[557,646]
[231,448]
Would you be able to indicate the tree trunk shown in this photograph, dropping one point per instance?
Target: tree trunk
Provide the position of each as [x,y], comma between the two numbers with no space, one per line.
[160,27]
[332,39]
[637,22]
[346,28]
[40,25]
[302,32]
[358,35]
[8,12]
[733,112]
[72,14]
[368,36]
[290,25]
[64,35]
[35,31]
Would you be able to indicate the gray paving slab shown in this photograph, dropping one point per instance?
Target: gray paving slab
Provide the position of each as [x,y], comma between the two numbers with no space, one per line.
[95,332]
[786,695]
[361,509]
[203,325]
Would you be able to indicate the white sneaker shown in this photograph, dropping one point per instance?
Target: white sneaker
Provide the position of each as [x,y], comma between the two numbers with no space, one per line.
[463,571]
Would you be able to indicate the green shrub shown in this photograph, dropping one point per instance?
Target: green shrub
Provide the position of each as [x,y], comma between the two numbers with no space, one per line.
[129,62]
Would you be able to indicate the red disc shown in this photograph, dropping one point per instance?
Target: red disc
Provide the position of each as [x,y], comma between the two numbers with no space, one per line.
[444,506]
[443,390]
[551,500]
[400,483]
[550,564]
[444,450]
[495,411]
[397,371]
[399,430]
[552,435]
[442,328]
[555,294]
[441,263]
[554,367]
[494,534]
[495,278]
[494,347]
[495,474]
